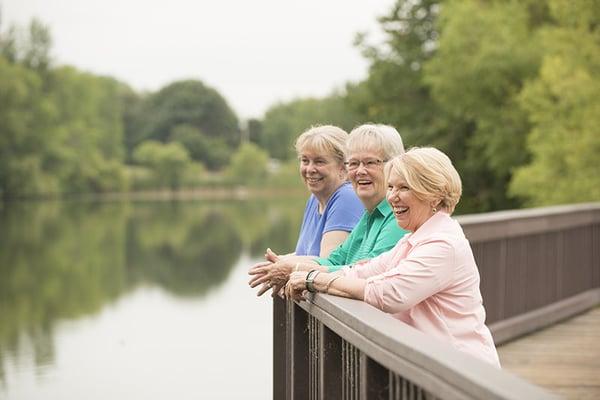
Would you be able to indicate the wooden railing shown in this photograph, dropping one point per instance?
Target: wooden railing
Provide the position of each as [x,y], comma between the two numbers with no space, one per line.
[537,266]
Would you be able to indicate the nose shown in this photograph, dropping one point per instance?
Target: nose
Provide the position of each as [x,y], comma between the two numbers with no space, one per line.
[393,195]
[362,168]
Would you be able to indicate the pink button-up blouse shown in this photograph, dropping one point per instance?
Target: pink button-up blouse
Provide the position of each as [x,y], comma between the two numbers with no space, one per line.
[430,281]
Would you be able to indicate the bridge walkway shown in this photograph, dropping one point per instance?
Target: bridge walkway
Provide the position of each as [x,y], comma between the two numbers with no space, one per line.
[563,358]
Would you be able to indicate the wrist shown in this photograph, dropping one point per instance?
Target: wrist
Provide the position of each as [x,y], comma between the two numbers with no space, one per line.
[330,281]
[310,279]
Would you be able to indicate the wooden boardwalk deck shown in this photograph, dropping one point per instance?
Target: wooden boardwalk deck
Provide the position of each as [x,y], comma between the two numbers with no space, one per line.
[564,358]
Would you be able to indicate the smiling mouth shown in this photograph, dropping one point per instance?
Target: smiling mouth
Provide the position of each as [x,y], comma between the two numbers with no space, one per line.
[400,210]
[313,180]
[364,182]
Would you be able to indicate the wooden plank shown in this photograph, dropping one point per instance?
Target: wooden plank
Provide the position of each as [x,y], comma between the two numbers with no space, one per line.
[420,358]
[522,324]
[564,358]
[279,348]
[505,224]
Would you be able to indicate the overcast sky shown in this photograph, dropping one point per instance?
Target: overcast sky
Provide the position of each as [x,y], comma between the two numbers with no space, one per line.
[254,52]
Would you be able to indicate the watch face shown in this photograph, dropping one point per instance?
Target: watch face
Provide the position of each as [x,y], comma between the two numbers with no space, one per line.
[310,278]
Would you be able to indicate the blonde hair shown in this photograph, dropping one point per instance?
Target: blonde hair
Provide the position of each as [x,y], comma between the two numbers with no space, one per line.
[383,139]
[327,139]
[429,173]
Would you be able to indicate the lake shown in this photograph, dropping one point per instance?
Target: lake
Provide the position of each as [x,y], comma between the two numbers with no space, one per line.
[145,299]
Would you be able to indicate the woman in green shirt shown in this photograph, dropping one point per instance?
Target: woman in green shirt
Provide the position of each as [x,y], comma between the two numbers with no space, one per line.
[369,147]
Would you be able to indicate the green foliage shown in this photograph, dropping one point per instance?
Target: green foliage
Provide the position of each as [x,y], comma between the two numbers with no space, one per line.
[465,76]
[213,152]
[254,130]
[248,165]
[563,104]
[485,53]
[61,129]
[30,48]
[89,130]
[284,122]
[394,92]
[168,162]
[26,130]
[188,103]
[286,175]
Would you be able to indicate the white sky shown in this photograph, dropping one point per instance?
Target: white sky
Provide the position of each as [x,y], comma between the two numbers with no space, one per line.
[254,52]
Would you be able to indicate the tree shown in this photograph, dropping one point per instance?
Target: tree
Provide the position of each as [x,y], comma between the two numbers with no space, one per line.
[168,161]
[89,129]
[30,48]
[61,129]
[394,92]
[25,133]
[248,165]
[284,122]
[254,131]
[485,54]
[448,74]
[563,104]
[212,152]
[185,103]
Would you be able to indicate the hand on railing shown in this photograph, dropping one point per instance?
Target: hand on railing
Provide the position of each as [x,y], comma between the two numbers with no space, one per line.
[296,285]
[271,274]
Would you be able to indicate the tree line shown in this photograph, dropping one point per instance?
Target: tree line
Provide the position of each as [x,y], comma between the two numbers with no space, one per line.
[508,89]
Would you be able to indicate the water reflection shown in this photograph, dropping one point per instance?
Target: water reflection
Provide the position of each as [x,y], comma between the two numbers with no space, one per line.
[64,261]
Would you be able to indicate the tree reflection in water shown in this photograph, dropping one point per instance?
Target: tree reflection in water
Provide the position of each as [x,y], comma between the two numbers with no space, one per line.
[67,260]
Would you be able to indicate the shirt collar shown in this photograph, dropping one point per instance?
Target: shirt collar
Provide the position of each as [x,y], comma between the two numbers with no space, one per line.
[383,208]
[428,228]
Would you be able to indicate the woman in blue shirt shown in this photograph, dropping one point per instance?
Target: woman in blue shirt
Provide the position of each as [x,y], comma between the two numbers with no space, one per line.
[333,208]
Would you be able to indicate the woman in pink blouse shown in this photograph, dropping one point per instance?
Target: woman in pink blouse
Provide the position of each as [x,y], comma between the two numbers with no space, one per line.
[429,280]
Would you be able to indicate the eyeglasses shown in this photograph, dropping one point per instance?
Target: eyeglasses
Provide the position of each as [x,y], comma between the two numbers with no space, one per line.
[369,163]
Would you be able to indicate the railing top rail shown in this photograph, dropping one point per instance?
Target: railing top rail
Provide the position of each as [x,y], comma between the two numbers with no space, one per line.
[511,223]
[416,356]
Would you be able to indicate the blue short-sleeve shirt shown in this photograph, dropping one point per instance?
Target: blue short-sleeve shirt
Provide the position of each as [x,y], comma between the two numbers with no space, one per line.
[342,212]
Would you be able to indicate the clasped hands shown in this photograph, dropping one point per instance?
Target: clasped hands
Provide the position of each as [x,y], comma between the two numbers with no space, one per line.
[276,273]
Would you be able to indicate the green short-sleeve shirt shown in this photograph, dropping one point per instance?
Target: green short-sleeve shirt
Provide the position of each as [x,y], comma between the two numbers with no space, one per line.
[375,233]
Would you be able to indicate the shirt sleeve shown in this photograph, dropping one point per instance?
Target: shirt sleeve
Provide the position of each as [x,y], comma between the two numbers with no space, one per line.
[389,235]
[344,212]
[375,266]
[337,257]
[427,270]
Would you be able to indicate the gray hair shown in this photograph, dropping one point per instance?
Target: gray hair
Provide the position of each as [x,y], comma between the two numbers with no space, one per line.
[383,139]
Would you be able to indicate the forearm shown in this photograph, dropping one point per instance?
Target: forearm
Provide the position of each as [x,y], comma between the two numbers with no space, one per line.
[338,285]
[305,263]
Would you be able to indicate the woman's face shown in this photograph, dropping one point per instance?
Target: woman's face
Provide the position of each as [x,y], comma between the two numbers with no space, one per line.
[365,170]
[410,212]
[322,173]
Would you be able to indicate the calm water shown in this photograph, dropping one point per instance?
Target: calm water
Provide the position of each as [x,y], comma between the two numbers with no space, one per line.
[137,300]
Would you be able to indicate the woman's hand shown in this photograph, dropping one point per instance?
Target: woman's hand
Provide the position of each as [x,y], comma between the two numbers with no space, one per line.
[260,274]
[272,275]
[271,256]
[296,285]
[258,270]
